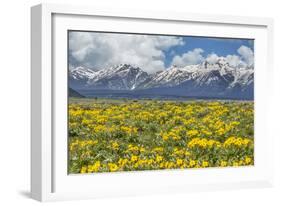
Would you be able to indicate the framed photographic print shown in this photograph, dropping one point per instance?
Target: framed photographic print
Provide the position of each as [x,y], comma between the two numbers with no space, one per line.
[131,102]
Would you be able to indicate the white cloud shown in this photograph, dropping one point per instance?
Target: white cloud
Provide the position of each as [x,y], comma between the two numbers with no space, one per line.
[234,60]
[98,50]
[212,58]
[189,58]
[244,59]
[247,55]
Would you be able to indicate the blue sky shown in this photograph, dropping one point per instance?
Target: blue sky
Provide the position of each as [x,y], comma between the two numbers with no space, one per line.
[152,53]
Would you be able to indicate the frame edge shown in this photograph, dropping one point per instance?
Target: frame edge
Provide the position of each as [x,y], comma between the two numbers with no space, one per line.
[36,137]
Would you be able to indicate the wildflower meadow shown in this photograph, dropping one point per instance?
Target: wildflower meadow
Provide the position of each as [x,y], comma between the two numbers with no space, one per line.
[130,135]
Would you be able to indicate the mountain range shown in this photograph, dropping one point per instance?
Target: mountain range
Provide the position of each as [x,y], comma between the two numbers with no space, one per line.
[205,80]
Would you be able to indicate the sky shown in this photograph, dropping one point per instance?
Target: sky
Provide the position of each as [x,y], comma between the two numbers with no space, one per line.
[153,53]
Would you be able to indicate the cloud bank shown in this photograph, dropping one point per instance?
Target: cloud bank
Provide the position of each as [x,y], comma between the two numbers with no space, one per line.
[100,50]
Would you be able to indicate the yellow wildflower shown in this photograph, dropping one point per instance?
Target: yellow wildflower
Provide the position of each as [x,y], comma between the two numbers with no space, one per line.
[223,163]
[248,160]
[192,163]
[205,163]
[159,158]
[179,162]
[83,170]
[134,158]
[112,167]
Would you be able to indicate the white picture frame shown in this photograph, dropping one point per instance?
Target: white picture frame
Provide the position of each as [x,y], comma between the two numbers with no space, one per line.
[49,178]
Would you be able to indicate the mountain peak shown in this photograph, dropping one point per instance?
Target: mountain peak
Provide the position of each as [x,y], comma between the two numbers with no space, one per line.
[217,63]
[124,67]
[82,73]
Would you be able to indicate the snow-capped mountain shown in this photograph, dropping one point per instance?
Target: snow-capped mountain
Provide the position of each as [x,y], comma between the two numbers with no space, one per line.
[208,79]
[80,73]
[121,77]
[79,77]
[173,76]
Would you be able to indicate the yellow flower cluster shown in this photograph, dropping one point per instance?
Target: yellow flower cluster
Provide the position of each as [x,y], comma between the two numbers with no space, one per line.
[129,130]
[233,141]
[203,142]
[119,135]
[91,168]
[82,143]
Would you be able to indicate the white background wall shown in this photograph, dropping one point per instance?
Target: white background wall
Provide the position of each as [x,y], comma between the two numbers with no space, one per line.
[15,95]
